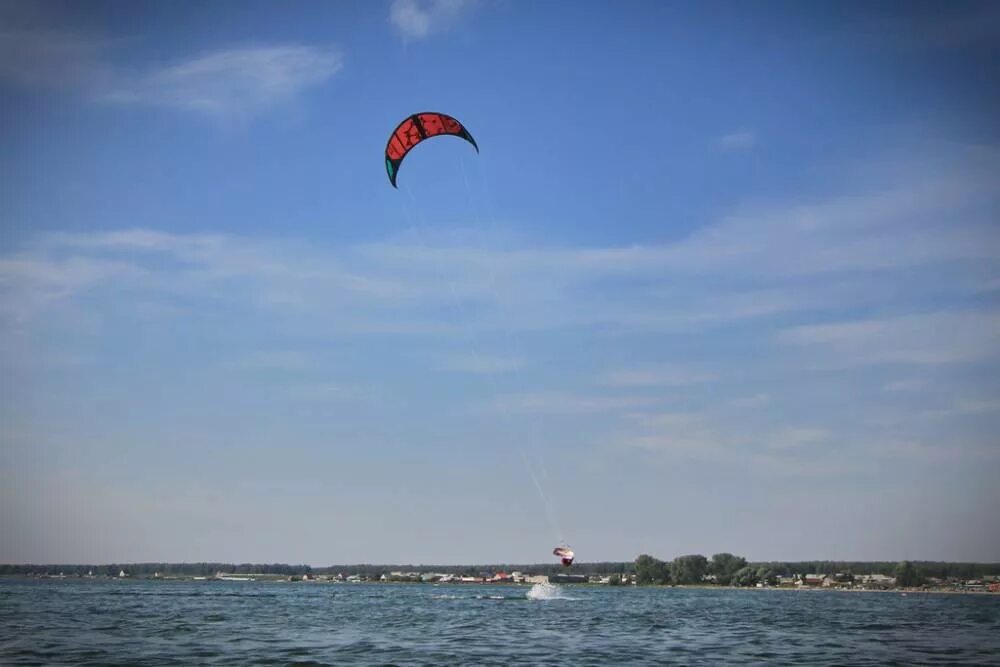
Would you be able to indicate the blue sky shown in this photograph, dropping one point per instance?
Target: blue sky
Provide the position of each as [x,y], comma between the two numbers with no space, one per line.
[724,277]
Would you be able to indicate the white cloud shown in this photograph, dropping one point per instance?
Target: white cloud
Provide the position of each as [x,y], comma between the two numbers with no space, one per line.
[737,141]
[779,267]
[706,437]
[186,246]
[29,284]
[935,338]
[416,19]
[889,230]
[229,84]
[805,259]
[691,436]
[893,222]
[233,83]
[289,273]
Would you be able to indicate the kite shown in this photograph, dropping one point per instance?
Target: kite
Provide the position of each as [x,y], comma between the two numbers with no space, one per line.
[415,129]
[565,555]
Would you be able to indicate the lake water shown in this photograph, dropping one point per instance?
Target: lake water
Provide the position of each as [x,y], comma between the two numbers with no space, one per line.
[235,623]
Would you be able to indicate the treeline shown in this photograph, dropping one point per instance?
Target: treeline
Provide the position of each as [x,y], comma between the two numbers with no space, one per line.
[939,569]
[374,571]
[730,570]
[371,571]
[149,569]
[724,568]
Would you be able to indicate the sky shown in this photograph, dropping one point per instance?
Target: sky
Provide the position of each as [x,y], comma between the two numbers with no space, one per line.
[724,276]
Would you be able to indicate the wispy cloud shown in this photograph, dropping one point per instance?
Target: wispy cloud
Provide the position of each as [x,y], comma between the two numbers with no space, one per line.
[188,246]
[272,360]
[233,83]
[969,406]
[29,284]
[481,364]
[754,401]
[323,392]
[230,84]
[792,279]
[904,452]
[684,435]
[737,141]
[810,260]
[706,437]
[895,208]
[568,403]
[416,19]
[934,338]
[904,385]
[283,269]
[658,375]
[792,438]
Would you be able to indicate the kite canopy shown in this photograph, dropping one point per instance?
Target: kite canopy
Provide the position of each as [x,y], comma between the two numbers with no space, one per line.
[417,128]
[565,555]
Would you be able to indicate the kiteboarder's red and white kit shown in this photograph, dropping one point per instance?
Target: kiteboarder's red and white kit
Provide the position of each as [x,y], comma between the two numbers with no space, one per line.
[565,555]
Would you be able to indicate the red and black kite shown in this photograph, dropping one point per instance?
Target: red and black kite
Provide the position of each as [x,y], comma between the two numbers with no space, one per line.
[415,129]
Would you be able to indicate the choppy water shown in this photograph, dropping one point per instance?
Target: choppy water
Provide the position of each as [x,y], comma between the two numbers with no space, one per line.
[237,623]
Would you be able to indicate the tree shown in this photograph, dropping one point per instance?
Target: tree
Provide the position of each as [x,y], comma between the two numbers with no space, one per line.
[724,565]
[688,569]
[649,570]
[767,575]
[908,575]
[745,576]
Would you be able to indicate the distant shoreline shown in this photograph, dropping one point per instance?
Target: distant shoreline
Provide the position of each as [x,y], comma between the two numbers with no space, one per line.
[828,589]
[722,571]
[281,579]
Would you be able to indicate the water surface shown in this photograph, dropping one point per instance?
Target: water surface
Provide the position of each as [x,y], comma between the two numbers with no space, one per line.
[102,622]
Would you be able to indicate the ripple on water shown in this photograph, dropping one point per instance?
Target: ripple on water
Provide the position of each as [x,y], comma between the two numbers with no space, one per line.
[210,623]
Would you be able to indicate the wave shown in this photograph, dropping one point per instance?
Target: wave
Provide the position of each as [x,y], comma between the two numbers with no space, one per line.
[547,592]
